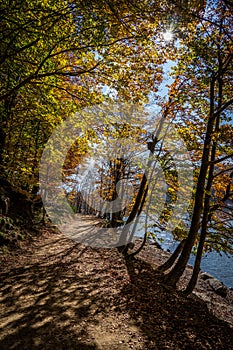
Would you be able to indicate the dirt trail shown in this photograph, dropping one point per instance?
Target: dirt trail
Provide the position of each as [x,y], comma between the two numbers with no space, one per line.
[58,294]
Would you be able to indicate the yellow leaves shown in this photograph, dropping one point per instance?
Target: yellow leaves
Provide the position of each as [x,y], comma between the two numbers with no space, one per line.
[180,232]
[26,170]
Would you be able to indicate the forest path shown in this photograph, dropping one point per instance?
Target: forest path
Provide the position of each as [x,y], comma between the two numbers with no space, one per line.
[59,294]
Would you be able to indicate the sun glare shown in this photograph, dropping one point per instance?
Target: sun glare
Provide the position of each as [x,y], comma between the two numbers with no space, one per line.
[168,36]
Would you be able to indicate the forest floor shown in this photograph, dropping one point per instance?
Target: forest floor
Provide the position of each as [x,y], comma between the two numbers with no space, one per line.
[57,294]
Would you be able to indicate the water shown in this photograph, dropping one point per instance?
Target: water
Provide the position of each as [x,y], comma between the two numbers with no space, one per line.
[220,267]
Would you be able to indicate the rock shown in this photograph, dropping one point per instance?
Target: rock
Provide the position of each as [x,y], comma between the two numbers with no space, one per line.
[205,276]
[218,287]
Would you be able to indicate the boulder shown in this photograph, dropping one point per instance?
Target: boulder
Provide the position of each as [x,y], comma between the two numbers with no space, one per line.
[205,276]
[218,287]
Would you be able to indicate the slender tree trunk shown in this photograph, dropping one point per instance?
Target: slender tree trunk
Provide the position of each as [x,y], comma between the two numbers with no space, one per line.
[174,275]
[143,186]
[205,218]
[172,259]
[137,204]
[118,173]
[125,251]
[5,115]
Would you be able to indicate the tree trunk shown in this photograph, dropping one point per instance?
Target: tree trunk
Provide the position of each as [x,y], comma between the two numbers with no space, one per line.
[205,218]
[172,259]
[174,275]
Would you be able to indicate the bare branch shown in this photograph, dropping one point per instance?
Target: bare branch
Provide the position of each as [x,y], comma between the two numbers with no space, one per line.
[223,171]
[222,159]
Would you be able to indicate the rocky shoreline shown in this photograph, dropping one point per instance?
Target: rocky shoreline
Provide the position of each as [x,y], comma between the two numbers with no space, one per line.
[217,286]
[217,296]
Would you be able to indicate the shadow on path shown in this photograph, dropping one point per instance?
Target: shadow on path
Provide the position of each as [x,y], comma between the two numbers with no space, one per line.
[167,319]
[62,295]
[49,302]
